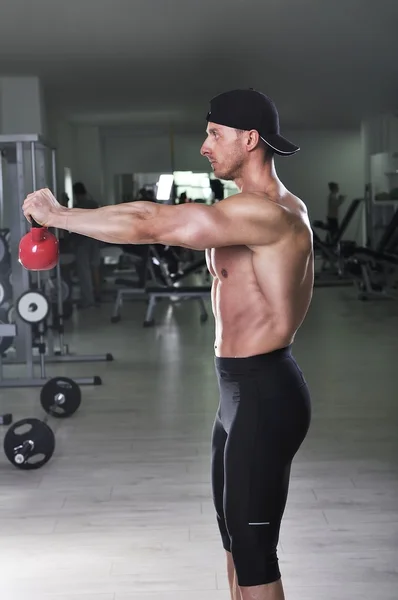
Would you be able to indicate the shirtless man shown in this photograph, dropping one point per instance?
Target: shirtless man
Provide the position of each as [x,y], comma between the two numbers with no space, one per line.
[258,245]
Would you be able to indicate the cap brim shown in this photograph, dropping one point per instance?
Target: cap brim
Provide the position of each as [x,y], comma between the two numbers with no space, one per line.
[280,145]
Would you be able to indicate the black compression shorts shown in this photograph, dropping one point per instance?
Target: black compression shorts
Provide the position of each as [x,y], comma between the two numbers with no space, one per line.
[263,417]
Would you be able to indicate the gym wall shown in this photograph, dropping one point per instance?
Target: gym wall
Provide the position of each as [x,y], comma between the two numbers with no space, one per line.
[79,148]
[22,106]
[97,155]
[325,156]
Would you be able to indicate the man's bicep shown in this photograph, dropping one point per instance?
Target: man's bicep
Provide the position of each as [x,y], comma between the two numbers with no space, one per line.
[184,225]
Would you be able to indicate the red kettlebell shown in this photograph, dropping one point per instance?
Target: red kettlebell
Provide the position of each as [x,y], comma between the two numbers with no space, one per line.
[38,249]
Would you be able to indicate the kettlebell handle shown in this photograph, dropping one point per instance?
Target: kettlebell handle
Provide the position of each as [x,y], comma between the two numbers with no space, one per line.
[35,224]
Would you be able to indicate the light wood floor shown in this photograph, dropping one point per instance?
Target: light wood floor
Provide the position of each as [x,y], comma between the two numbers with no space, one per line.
[123,511]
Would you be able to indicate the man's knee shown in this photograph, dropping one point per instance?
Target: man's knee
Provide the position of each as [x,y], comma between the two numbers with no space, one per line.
[252,568]
[254,557]
[254,565]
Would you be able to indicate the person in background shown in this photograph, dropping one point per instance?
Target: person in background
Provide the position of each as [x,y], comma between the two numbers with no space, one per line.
[88,258]
[335,200]
[146,195]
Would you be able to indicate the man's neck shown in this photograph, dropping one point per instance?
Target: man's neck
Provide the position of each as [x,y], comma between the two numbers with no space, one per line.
[258,178]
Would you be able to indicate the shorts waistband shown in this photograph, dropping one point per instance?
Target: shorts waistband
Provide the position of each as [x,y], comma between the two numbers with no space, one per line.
[250,363]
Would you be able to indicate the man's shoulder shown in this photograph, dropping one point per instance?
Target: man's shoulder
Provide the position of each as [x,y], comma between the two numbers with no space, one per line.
[283,206]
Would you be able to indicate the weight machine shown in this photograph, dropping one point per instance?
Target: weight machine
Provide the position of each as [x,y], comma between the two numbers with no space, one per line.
[25,161]
[159,281]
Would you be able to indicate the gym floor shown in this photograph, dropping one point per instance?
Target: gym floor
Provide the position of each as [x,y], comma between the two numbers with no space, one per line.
[123,510]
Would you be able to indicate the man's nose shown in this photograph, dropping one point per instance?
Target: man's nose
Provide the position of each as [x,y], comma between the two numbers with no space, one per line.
[204,149]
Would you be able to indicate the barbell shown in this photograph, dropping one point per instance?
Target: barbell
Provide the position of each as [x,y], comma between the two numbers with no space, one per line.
[30,443]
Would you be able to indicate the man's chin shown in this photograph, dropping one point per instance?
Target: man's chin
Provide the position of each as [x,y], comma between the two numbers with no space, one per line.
[220,175]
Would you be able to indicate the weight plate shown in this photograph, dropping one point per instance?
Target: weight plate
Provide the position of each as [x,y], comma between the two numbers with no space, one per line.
[4,252]
[5,290]
[33,307]
[60,397]
[5,342]
[29,444]
[66,290]
[11,314]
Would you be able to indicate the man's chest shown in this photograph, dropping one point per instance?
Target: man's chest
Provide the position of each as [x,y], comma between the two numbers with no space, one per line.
[229,262]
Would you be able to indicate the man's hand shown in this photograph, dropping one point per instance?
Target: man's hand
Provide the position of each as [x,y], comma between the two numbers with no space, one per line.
[41,206]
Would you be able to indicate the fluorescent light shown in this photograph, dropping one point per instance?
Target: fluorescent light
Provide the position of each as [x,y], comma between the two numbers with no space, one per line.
[165,184]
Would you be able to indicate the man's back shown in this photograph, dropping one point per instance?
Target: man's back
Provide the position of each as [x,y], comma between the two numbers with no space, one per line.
[261,294]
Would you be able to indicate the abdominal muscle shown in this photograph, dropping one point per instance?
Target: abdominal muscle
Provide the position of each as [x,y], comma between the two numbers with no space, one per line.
[243,327]
[255,314]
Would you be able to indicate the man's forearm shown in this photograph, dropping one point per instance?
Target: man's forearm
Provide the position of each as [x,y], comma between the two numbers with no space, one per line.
[119,224]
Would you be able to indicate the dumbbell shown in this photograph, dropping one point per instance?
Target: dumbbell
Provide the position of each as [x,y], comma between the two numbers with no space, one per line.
[30,443]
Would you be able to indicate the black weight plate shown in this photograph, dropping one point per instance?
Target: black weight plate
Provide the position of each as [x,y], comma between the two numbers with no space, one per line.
[5,290]
[60,397]
[4,252]
[11,314]
[66,287]
[39,433]
[33,307]
[66,290]
[5,342]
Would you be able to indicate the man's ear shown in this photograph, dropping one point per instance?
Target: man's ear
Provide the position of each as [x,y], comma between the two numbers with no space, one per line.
[252,140]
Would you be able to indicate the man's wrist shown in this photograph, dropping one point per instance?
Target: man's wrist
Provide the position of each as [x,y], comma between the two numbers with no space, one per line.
[58,219]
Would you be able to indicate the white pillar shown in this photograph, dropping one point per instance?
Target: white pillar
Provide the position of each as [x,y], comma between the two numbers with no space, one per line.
[379,134]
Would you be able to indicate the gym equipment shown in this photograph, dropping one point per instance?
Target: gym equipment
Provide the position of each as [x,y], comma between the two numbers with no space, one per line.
[332,271]
[5,289]
[193,267]
[375,273]
[7,335]
[150,270]
[30,443]
[6,419]
[60,397]
[177,293]
[349,215]
[161,279]
[38,249]
[4,250]
[11,314]
[27,163]
[33,307]
[386,243]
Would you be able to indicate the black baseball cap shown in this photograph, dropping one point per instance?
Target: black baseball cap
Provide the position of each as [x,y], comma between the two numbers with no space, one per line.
[250,109]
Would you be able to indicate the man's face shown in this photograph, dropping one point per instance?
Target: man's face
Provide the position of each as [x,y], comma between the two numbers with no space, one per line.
[224,149]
